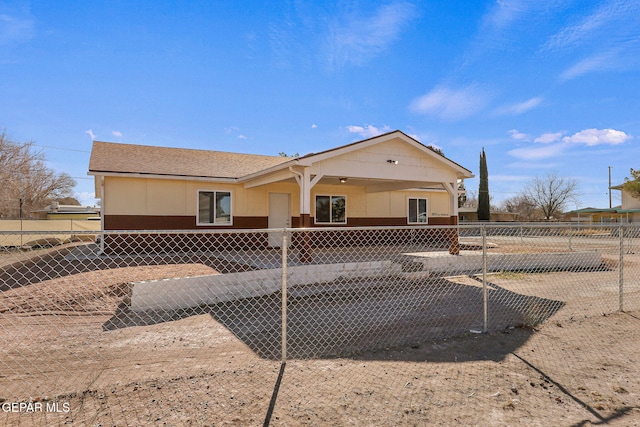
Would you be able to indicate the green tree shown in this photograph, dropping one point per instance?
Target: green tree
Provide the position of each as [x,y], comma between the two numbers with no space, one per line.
[632,185]
[483,190]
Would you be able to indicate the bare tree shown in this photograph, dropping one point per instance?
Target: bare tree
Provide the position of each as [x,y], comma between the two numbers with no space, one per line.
[521,205]
[27,183]
[551,193]
[471,201]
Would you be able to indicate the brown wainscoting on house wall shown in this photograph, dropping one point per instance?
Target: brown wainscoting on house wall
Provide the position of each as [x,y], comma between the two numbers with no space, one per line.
[450,220]
[364,222]
[418,238]
[175,222]
[373,222]
[179,242]
[305,220]
[149,222]
[387,222]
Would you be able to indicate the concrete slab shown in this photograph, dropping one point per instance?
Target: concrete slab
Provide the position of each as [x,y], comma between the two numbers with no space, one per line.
[186,292]
[471,261]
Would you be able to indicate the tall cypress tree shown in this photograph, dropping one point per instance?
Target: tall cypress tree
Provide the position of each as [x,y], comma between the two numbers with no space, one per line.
[483,190]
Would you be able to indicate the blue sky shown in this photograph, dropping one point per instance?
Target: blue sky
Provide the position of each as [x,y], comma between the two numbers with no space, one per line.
[544,86]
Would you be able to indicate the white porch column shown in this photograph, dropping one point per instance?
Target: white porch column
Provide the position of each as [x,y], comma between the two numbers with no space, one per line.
[454,243]
[305,184]
[453,197]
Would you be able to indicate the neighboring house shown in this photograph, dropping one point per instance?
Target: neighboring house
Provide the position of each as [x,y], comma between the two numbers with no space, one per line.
[628,211]
[471,215]
[58,211]
[388,180]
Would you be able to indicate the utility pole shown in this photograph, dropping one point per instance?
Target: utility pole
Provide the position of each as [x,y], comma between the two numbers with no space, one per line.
[610,187]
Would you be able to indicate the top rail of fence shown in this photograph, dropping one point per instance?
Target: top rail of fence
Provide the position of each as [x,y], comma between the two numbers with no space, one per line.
[474,225]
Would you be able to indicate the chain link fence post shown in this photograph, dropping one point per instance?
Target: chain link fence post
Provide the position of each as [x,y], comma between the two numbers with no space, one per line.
[621,269]
[485,323]
[521,234]
[570,237]
[284,295]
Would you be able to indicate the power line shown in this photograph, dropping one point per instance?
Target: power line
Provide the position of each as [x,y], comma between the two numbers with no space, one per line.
[61,148]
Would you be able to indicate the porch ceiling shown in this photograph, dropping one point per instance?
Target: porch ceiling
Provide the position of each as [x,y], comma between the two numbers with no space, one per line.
[371,185]
[378,185]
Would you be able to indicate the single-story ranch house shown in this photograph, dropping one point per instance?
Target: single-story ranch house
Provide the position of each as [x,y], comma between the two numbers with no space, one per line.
[387,180]
[627,212]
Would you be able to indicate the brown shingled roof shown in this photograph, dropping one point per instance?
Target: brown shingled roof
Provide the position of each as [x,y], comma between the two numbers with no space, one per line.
[141,159]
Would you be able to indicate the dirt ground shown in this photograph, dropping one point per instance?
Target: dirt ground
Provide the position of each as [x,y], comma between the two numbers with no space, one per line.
[65,347]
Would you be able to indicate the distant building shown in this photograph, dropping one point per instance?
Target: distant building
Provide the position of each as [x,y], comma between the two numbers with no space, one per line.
[471,215]
[628,211]
[58,211]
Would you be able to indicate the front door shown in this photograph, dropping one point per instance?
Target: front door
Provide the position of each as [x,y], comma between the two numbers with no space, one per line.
[279,216]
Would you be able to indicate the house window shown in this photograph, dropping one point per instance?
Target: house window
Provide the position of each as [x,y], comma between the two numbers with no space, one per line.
[417,211]
[331,209]
[214,207]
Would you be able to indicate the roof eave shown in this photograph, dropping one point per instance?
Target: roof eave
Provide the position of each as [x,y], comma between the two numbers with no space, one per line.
[160,176]
[276,168]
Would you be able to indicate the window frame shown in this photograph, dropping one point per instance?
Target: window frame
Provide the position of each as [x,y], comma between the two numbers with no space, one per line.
[330,222]
[426,212]
[214,223]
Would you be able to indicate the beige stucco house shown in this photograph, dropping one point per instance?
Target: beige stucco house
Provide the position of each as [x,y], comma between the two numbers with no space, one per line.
[390,179]
[627,212]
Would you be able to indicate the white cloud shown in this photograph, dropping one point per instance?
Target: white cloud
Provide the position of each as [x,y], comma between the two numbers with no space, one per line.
[504,13]
[354,39]
[231,129]
[592,137]
[313,126]
[241,136]
[546,138]
[518,136]
[91,134]
[599,62]
[368,131]
[117,134]
[521,107]
[606,38]
[15,29]
[554,144]
[538,152]
[451,104]
[498,25]
[586,29]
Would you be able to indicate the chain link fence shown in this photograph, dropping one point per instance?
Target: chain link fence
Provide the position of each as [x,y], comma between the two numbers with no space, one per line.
[485,324]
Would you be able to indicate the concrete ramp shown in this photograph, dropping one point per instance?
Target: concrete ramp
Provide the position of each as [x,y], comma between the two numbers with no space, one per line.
[471,261]
[187,292]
